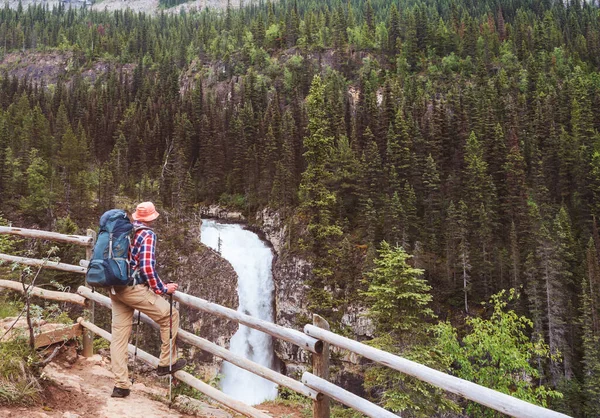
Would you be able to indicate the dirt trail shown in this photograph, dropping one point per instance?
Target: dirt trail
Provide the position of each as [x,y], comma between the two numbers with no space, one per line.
[83,390]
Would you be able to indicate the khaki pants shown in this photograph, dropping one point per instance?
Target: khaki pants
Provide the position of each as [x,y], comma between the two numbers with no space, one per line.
[124,302]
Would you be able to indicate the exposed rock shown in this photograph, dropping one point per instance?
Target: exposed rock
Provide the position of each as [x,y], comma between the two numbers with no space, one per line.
[291,299]
[219,212]
[47,67]
[355,318]
[272,226]
[66,381]
[200,272]
[291,275]
[96,359]
[71,355]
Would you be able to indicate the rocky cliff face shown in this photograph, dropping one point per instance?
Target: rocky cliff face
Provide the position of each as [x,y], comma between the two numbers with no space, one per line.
[290,274]
[201,272]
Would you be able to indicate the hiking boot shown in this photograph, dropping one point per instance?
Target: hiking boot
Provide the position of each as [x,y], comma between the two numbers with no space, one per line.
[120,393]
[164,370]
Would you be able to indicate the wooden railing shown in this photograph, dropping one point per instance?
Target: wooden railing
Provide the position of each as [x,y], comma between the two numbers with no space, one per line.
[316,339]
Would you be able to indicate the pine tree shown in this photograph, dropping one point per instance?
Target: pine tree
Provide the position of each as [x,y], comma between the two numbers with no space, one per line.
[551,278]
[464,251]
[591,333]
[432,204]
[393,29]
[70,156]
[40,199]
[347,179]
[317,201]
[4,141]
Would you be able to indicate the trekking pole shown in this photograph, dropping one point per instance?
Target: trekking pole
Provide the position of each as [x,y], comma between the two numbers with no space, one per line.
[137,336]
[170,347]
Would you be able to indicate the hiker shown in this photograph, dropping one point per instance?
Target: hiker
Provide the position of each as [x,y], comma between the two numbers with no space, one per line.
[143,293]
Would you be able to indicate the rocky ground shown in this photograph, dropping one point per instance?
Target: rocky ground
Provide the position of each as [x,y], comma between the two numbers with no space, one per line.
[79,387]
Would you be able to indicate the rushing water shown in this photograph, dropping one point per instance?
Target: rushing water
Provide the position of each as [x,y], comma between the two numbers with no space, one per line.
[251,260]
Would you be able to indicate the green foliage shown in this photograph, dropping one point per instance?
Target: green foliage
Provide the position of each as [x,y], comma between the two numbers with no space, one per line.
[101,344]
[498,353]
[399,302]
[429,125]
[39,200]
[236,201]
[9,307]
[6,244]
[18,381]
[398,296]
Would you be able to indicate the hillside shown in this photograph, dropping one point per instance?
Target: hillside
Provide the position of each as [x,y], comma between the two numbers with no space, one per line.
[144,6]
[423,158]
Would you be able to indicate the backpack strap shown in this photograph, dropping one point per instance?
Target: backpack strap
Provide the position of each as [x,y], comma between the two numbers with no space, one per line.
[135,275]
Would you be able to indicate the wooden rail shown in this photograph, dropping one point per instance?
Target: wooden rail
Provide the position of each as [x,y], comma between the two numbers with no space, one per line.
[480,394]
[290,335]
[84,241]
[347,398]
[316,339]
[34,262]
[216,350]
[45,294]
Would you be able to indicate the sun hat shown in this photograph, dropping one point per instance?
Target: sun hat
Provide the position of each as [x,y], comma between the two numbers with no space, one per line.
[145,212]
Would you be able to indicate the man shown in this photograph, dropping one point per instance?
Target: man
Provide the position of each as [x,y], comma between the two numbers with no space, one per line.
[143,294]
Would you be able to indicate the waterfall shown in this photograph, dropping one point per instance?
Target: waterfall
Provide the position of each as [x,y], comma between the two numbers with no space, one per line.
[251,260]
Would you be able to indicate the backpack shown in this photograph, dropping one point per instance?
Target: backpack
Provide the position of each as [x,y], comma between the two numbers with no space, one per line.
[109,265]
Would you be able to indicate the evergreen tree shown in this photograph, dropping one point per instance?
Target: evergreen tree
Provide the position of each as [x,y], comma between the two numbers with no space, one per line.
[317,201]
[399,302]
[591,333]
[39,201]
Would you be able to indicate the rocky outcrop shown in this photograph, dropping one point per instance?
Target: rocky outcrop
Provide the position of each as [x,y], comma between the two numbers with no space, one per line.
[275,231]
[219,212]
[201,272]
[291,274]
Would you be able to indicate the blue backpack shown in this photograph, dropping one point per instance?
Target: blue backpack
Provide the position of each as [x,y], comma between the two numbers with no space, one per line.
[109,265]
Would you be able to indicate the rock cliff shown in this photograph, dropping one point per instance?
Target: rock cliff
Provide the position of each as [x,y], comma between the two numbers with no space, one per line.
[290,274]
[201,272]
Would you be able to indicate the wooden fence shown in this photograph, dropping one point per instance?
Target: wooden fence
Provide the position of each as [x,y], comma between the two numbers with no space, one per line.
[316,339]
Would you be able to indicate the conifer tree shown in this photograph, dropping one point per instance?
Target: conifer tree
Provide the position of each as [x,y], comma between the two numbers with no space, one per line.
[346,180]
[39,200]
[432,204]
[591,333]
[317,201]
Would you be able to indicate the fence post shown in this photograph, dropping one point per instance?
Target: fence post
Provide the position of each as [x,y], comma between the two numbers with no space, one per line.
[88,336]
[320,364]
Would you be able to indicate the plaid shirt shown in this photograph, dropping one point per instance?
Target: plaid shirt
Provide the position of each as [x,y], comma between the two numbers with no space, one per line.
[143,258]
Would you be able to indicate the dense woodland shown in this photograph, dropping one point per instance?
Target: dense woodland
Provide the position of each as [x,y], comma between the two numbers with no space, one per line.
[464,133]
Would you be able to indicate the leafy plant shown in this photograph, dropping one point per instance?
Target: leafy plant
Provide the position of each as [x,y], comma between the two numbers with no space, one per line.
[498,353]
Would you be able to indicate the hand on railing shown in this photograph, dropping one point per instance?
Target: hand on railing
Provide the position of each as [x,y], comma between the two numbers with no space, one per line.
[171,288]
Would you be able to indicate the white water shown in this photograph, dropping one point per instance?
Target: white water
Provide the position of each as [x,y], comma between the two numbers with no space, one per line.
[251,260]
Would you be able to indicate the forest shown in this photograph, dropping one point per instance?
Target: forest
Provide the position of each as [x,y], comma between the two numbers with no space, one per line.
[454,140]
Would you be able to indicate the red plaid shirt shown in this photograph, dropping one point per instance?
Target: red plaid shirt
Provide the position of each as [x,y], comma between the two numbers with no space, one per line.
[143,258]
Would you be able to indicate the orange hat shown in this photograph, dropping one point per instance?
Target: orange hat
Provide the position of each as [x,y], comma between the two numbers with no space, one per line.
[145,212]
